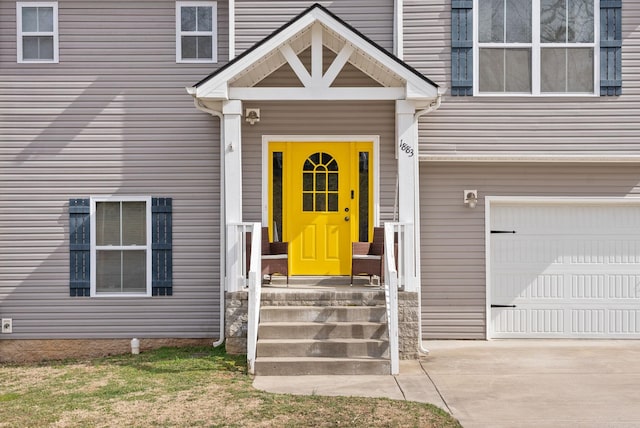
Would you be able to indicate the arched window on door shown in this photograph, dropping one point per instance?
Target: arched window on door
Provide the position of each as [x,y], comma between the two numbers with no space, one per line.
[320,183]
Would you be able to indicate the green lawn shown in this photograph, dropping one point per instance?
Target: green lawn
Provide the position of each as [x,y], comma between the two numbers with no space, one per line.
[181,387]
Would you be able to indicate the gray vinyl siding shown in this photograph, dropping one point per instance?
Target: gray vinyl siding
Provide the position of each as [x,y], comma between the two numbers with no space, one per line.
[112,118]
[453,236]
[318,119]
[258,18]
[520,125]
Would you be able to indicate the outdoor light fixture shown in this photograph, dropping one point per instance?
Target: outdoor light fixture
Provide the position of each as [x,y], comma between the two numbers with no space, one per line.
[470,198]
[252,115]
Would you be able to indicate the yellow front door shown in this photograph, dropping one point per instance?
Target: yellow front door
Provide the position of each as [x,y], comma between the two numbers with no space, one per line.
[317,190]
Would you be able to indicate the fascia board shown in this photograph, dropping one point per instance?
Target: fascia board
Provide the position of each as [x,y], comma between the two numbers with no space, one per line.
[421,92]
[206,92]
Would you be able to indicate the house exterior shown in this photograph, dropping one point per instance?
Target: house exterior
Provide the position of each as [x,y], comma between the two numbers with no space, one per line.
[505,137]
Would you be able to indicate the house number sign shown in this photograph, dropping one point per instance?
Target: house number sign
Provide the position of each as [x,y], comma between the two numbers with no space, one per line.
[406,148]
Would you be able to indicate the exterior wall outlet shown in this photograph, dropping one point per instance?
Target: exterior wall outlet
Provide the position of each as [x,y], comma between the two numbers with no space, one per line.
[7,325]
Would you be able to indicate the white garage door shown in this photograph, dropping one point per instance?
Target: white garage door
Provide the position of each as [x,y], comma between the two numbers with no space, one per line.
[569,270]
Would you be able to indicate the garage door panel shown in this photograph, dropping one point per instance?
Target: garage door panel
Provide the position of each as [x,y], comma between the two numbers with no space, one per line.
[553,219]
[588,286]
[570,270]
[521,322]
[624,321]
[547,322]
[510,249]
[624,286]
[588,321]
[567,249]
[512,286]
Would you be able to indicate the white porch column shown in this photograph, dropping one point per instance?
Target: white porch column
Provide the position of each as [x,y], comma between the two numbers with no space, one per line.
[232,113]
[407,149]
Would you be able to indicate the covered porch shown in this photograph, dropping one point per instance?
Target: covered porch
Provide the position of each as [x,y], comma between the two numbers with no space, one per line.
[315,94]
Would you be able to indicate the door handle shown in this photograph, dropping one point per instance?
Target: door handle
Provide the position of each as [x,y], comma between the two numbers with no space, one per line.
[346,218]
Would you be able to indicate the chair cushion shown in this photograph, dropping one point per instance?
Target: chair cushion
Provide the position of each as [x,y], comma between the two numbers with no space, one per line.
[274,256]
[366,257]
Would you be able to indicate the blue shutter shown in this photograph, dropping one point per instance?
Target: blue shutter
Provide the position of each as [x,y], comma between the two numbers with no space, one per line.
[610,47]
[161,266]
[79,248]
[462,47]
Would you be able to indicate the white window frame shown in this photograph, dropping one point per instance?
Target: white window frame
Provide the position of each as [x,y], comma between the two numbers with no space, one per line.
[213,33]
[536,48]
[21,34]
[94,247]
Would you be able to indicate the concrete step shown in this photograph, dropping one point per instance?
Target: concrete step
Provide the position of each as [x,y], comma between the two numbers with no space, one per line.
[290,366]
[336,348]
[323,314]
[301,297]
[328,330]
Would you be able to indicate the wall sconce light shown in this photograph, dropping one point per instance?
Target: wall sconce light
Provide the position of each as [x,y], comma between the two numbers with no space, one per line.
[252,115]
[470,198]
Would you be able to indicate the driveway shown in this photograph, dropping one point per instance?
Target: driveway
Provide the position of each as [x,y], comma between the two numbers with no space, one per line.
[538,383]
[505,383]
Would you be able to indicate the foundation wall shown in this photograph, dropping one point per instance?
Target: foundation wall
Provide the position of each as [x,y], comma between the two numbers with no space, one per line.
[237,305]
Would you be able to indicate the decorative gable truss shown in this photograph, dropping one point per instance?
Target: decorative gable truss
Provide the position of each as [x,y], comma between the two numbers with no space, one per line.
[317,84]
[318,31]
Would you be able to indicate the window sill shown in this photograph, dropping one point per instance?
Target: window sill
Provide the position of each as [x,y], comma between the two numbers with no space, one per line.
[197,61]
[121,295]
[525,95]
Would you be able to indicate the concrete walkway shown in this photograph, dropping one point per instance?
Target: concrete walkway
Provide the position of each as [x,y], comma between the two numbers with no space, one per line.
[514,383]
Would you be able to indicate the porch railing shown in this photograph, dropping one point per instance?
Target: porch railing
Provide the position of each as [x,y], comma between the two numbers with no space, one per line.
[398,256]
[255,291]
[237,273]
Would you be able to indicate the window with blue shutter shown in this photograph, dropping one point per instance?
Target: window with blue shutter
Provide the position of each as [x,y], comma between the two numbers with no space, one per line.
[131,254]
[161,266]
[558,57]
[79,248]
[610,47]
[462,47]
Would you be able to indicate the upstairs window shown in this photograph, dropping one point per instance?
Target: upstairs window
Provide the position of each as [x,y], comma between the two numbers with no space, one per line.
[196,32]
[567,47]
[536,47]
[37,24]
[505,46]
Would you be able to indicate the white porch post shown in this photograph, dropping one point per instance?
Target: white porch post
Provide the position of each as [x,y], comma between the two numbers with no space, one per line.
[232,113]
[407,149]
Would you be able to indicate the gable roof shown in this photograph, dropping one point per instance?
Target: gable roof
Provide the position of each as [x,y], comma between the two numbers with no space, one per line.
[276,49]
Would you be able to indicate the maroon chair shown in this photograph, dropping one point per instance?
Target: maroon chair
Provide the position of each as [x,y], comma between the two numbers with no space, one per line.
[274,256]
[366,257]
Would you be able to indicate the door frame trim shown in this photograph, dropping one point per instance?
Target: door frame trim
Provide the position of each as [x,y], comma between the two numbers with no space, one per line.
[375,139]
[533,200]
